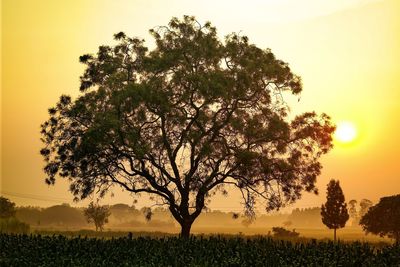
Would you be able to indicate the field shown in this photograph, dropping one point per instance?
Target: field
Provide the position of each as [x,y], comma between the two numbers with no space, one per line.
[345,234]
[44,250]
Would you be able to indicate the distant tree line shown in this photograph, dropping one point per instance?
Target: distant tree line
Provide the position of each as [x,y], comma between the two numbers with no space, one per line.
[306,218]
[64,216]
[381,219]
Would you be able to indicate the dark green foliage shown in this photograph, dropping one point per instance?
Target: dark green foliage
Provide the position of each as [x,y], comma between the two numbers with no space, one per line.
[7,208]
[384,218]
[182,120]
[334,212]
[23,250]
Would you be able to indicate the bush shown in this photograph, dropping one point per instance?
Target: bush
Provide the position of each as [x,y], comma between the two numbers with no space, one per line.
[281,232]
[13,225]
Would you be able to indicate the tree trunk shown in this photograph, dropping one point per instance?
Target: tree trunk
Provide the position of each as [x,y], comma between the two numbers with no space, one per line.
[185,228]
[183,216]
[334,234]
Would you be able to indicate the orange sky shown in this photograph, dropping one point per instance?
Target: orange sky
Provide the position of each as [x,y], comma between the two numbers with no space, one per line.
[346,51]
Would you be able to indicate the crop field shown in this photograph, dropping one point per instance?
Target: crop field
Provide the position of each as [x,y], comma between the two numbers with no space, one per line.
[38,250]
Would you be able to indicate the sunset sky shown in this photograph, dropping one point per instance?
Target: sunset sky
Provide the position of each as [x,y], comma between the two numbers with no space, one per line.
[346,51]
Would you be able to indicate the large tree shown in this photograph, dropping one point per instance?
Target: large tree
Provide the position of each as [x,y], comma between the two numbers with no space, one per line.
[334,212]
[183,120]
[383,218]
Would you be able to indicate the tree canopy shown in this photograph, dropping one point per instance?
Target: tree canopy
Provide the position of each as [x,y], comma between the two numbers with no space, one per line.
[334,212]
[183,120]
[7,208]
[383,218]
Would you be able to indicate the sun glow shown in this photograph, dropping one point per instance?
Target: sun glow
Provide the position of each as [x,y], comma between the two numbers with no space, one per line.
[345,132]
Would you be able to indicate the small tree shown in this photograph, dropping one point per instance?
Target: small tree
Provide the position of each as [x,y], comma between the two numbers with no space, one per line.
[148,213]
[353,212]
[7,208]
[353,208]
[384,218]
[97,214]
[334,211]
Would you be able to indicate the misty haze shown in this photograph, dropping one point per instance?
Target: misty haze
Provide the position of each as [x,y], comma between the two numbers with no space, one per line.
[188,133]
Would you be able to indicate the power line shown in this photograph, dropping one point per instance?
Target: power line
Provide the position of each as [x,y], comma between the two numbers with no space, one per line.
[35,197]
[63,200]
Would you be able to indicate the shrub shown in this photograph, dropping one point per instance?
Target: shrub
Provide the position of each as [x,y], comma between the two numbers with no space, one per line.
[281,232]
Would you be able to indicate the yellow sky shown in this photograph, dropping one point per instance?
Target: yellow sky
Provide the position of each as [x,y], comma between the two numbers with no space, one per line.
[346,51]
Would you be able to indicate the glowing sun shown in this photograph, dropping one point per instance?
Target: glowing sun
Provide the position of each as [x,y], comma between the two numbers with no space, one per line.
[345,132]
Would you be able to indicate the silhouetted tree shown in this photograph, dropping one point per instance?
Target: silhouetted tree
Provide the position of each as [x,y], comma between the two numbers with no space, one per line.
[334,211]
[7,208]
[183,120]
[383,218]
[148,213]
[97,214]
